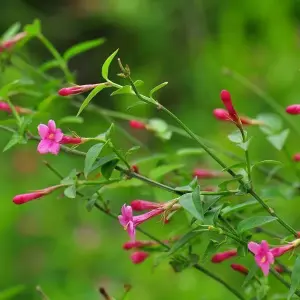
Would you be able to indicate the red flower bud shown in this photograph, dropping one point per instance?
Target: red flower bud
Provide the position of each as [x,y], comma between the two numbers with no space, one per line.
[137,244]
[5,107]
[226,98]
[279,269]
[76,89]
[220,257]
[206,174]
[137,124]
[239,268]
[139,205]
[11,42]
[296,157]
[72,140]
[293,109]
[139,256]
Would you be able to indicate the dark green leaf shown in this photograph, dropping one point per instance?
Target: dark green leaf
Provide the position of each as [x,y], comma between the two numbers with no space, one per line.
[108,168]
[187,203]
[160,171]
[91,157]
[253,222]
[184,189]
[12,293]
[198,202]
[103,160]
[82,47]
[295,278]
[211,248]
[70,191]
[90,96]
[278,140]
[224,184]
[234,208]
[158,87]
[105,67]
[11,31]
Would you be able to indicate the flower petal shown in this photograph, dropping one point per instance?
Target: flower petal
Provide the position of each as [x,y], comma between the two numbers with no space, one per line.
[131,231]
[43,146]
[264,246]
[122,221]
[253,247]
[270,257]
[58,135]
[54,148]
[265,267]
[128,212]
[43,131]
[52,126]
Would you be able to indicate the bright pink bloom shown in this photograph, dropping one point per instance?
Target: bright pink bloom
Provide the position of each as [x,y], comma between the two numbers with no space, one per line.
[76,89]
[293,109]
[220,257]
[129,222]
[11,42]
[23,198]
[5,107]
[239,268]
[138,244]
[137,124]
[263,256]
[296,157]
[138,205]
[139,256]
[278,251]
[226,98]
[206,174]
[50,138]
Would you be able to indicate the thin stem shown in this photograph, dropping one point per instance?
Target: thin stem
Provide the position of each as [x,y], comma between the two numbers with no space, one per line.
[248,164]
[96,182]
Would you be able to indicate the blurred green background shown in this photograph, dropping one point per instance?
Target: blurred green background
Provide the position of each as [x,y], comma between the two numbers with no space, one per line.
[55,242]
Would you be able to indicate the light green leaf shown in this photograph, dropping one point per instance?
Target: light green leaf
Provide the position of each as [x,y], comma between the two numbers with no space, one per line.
[187,203]
[15,139]
[107,169]
[12,292]
[138,83]
[234,208]
[105,67]
[160,171]
[236,137]
[33,29]
[91,202]
[244,146]
[91,157]
[51,64]
[90,96]
[155,89]
[295,278]
[70,191]
[267,161]
[126,89]
[224,185]
[196,197]
[253,222]
[189,151]
[82,47]
[278,140]
[273,123]
[158,125]
[45,104]
[11,31]
[70,120]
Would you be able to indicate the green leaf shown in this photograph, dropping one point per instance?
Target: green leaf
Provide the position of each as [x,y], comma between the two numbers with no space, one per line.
[70,120]
[211,248]
[103,160]
[70,191]
[295,278]
[244,146]
[45,104]
[51,64]
[273,123]
[138,83]
[158,125]
[184,240]
[11,31]
[91,157]
[267,161]
[12,292]
[278,140]
[15,139]
[132,150]
[198,202]
[234,208]
[251,274]
[158,87]
[126,89]
[236,137]
[235,166]
[33,29]
[224,184]
[105,67]
[187,203]
[82,47]
[253,222]
[107,169]
[189,151]
[91,202]
[90,96]
[160,171]
[71,178]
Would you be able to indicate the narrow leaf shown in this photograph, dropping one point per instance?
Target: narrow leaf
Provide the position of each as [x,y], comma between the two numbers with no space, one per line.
[155,89]
[70,120]
[91,157]
[11,31]
[197,201]
[250,275]
[105,67]
[295,278]
[211,248]
[160,171]
[253,222]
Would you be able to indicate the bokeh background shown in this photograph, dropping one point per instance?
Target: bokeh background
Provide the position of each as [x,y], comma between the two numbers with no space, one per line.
[56,243]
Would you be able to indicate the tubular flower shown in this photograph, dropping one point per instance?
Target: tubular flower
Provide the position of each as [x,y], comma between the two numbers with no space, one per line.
[5,107]
[72,140]
[76,89]
[226,99]
[23,198]
[220,257]
[278,251]
[293,109]
[263,256]
[138,205]
[5,45]
[130,222]
[222,114]
[296,157]
[137,124]
[50,138]
[139,256]
[239,268]
[207,174]
[138,244]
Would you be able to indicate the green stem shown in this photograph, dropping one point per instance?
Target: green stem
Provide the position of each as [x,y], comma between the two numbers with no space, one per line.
[96,182]
[57,56]
[248,164]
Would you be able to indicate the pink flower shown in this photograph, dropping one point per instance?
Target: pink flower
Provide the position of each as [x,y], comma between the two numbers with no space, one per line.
[76,89]
[220,257]
[139,256]
[137,124]
[293,109]
[5,107]
[11,42]
[263,256]
[50,138]
[296,157]
[23,198]
[278,251]
[226,98]
[130,222]
[239,268]
[72,140]
[138,244]
[138,205]
[206,174]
